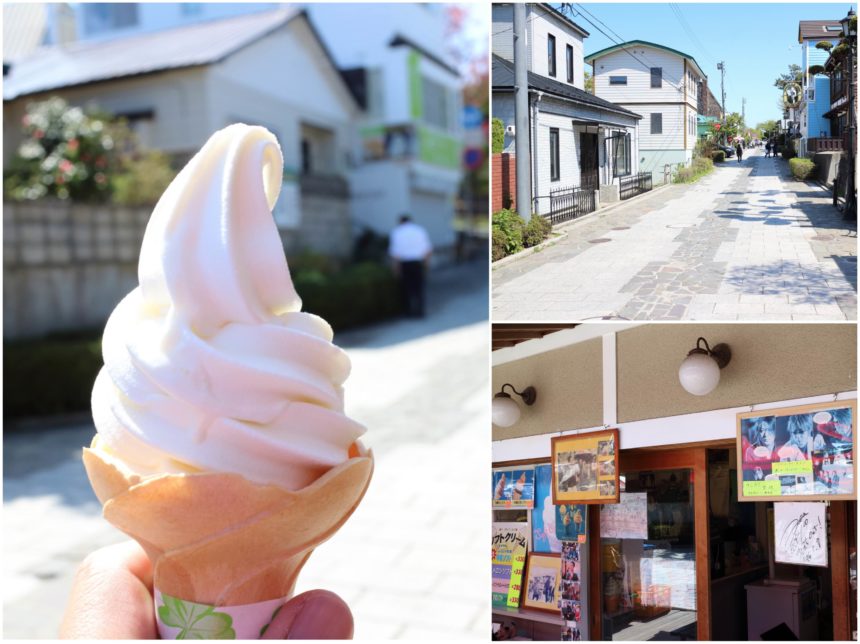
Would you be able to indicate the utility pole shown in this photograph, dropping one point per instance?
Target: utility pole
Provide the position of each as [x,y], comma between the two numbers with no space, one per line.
[744,118]
[722,67]
[521,114]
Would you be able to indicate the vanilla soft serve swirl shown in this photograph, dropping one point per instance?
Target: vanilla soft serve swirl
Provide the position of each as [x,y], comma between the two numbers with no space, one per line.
[209,363]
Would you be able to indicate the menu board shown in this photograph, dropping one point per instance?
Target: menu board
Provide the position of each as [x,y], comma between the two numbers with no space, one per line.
[510,543]
[514,487]
[627,519]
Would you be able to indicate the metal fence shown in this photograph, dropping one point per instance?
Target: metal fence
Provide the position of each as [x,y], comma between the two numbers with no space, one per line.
[569,203]
[635,185]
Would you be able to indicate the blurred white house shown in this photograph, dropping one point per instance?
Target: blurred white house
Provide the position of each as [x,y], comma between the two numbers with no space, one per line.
[361,98]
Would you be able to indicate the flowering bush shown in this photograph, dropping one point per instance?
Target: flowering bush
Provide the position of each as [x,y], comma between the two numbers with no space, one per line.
[66,153]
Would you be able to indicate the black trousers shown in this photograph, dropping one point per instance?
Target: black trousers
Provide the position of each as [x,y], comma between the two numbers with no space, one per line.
[412,287]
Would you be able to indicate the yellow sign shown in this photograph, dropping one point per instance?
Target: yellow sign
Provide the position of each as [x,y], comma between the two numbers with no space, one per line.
[792,467]
[762,488]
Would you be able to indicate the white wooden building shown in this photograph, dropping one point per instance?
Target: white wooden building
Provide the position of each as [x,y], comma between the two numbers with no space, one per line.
[575,138]
[661,84]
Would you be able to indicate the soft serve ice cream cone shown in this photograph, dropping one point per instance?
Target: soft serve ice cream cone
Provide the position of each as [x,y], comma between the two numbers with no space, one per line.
[222,443]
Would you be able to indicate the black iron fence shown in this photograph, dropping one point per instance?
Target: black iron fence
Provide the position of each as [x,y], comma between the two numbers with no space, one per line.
[569,203]
[635,184]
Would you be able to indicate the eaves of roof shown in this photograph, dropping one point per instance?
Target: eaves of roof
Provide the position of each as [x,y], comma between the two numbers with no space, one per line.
[503,80]
[632,43]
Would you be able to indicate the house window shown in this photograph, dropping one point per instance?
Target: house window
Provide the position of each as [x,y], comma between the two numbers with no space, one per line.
[550,51]
[617,80]
[656,123]
[554,172]
[621,155]
[191,8]
[656,77]
[434,98]
[569,51]
[105,16]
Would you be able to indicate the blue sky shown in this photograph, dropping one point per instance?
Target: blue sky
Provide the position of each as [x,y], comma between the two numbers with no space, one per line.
[756,41]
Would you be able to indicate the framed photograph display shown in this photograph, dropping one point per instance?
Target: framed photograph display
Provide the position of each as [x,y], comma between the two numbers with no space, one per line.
[585,468]
[514,487]
[803,453]
[542,582]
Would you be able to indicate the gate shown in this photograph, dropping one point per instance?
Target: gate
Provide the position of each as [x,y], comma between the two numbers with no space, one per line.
[635,185]
[569,203]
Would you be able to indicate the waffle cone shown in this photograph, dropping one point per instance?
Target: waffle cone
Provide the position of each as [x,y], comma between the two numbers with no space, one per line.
[219,539]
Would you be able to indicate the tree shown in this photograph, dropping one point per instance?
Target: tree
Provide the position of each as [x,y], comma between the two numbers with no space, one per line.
[766,127]
[794,75]
[589,82]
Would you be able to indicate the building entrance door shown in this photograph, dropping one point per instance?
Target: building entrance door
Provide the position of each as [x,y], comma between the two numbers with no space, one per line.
[654,585]
[588,161]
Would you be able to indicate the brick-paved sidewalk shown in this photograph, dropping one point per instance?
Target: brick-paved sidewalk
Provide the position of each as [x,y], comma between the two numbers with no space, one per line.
[746,242]
[411,562]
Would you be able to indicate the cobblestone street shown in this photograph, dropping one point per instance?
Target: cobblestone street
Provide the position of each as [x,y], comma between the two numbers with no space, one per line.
[411,562]
[747,242]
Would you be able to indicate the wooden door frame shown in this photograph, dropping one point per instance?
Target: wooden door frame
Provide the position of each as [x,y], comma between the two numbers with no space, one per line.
[696,459]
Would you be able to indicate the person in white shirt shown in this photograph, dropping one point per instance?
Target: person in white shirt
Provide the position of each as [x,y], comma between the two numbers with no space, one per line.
[410,249]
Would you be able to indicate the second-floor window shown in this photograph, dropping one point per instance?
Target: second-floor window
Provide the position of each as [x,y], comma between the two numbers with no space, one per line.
[550,52]
[554,172]
[105,16]
[617,80]
[656,77]
[569,51]
[656,123]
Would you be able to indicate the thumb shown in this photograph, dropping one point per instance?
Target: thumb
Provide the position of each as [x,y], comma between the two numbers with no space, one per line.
[314,615]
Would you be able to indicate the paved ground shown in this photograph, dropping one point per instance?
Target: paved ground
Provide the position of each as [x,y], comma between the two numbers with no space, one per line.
[746,242]
[411,561]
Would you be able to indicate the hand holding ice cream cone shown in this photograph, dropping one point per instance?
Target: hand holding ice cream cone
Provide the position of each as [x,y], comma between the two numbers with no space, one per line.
[222,445]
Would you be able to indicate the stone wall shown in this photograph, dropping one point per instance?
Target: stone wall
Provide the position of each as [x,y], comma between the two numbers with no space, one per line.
[66,266]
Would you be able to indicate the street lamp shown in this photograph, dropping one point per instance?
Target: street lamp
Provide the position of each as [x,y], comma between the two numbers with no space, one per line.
[849,33]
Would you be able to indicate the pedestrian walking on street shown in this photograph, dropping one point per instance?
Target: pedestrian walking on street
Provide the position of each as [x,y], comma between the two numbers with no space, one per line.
[739,150]
[767,149]
[410,250]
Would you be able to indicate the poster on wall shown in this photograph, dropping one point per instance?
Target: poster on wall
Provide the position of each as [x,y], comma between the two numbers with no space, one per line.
[571,592]
[585,468]
[800,533]
[627,519]
[510,543]
[571,522]
[544,538]
[543,576]
[514,487]
[805,451]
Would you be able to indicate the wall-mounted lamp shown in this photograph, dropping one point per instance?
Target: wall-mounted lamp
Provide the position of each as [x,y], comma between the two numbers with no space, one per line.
[505,411]
[700,372]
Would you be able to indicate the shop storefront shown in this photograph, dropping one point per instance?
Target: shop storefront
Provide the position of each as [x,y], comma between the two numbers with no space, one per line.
[734,516]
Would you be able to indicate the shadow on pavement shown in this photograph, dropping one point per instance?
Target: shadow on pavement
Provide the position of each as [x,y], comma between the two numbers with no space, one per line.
[457,296]
[848,265]
[805,285]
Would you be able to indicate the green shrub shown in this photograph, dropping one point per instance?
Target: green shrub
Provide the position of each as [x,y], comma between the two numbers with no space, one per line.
[356,295]
[698,168]
[50,376]
[510,225]
[536,231]
[143,179]
[801,168]
[499,240]
[718,156]
[498,136]
[66,153]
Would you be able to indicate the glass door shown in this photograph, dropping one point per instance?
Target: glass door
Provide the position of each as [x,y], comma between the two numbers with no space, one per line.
[648,564]
[653,582]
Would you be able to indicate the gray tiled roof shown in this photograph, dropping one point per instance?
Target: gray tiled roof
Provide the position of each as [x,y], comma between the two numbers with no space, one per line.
[817,29]
[503,77]
[80,63]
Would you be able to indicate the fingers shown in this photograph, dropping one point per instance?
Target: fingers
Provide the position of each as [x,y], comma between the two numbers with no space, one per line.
[111,597]
[314,615]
